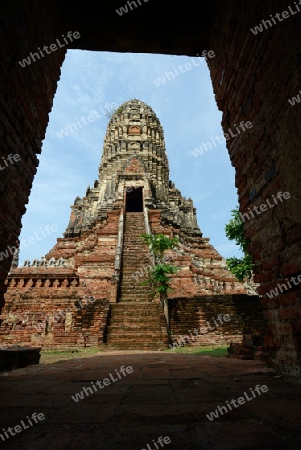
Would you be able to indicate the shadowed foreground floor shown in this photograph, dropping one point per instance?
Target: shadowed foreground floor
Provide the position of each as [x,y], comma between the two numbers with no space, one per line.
[167,394]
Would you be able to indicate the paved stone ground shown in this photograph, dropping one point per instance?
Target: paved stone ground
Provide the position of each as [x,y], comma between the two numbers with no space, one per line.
[166,395]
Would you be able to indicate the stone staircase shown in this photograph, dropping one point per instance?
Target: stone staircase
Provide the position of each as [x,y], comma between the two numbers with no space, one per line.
[135,260]
[136,322]
[136,326]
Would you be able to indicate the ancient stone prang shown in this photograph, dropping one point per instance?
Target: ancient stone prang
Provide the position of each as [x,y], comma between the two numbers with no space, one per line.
[101,251]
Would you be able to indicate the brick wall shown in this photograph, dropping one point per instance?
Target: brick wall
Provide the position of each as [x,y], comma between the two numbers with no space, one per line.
[26,99]
[202,313]
[253,77]
[53,310]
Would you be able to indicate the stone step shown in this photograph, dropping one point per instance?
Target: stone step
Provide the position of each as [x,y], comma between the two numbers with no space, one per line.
[137,311]
[133,337]
[142,256]
[132,292]
[133,287]
[132,317]
[136,258]
[134,238]
[131,282]
[135,241]
[135,318]
[120,330]
[135,290]
[139,315]
[136,308]
[132,276]
[129,233]
[134,295]
[139,266]
[143,253]
[146,346]
[128,247]
[139,323]
[125,342]
[136,265]
[154,305]
[129,315]
[145,306]
[124,298]
[128,299]
[139,333]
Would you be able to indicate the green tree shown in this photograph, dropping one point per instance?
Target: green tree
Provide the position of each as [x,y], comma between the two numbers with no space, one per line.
[158,275]
[240,267]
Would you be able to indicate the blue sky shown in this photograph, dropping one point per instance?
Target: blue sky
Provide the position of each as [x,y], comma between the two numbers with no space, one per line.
[186,108]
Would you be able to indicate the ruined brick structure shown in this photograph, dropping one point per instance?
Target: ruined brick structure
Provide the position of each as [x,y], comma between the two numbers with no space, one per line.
[102,261]
[253,77]
[199,321]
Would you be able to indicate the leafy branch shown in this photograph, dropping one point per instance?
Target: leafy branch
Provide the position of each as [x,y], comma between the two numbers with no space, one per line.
[240,267]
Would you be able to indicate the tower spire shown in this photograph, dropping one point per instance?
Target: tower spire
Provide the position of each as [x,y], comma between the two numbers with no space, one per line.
[133,158]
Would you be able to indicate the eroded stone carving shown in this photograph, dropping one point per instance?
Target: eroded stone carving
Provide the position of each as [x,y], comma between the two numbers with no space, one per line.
[61,262]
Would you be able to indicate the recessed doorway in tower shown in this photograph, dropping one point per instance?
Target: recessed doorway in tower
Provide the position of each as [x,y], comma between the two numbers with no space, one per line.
[134,200]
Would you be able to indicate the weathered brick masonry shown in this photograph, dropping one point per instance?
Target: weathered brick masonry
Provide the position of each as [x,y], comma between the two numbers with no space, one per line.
[26,99]
[253,77]
[205,315]
[102,256]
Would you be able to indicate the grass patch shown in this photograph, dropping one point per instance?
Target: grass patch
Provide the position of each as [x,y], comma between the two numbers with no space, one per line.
[202,351]
[53,356]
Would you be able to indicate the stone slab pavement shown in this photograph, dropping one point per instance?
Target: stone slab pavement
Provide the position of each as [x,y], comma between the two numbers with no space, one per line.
[166,395]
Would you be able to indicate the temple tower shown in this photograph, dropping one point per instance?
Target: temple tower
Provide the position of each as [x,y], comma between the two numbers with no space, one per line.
[87,289]
[133,174]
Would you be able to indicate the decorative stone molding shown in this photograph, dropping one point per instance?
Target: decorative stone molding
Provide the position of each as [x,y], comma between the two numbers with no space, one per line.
[61,262]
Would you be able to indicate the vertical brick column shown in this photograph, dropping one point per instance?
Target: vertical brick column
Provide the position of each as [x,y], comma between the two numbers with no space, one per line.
[253,77]
[26,99]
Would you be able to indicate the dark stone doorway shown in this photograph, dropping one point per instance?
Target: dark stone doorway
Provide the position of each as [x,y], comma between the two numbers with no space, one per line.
[134,200]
